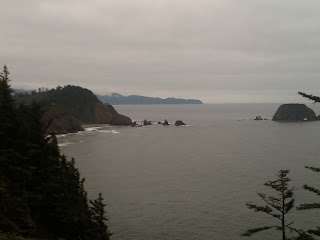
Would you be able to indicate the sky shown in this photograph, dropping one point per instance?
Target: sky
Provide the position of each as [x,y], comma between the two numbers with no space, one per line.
[218,51]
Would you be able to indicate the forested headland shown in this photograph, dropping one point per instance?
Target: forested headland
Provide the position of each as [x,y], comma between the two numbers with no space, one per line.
[42,194]
[69,107]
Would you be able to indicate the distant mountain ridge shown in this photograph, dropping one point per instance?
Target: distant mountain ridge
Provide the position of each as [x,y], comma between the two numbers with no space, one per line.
[118,99]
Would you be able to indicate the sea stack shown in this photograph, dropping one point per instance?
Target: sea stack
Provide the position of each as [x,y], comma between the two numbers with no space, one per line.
[294,113]
[179,123]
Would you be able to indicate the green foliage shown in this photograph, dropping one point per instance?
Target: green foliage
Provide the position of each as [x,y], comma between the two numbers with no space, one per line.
[276,206]
[41,192]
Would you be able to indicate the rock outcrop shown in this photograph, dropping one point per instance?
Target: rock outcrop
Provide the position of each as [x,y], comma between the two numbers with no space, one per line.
[179,123]
[165,123]
[135,124]
[147,123]
[294,113]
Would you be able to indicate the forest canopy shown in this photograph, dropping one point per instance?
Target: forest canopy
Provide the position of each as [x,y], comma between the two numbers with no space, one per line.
[42,194]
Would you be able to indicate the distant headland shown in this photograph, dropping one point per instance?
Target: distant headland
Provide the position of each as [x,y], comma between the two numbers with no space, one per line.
[69,107]
[118,99]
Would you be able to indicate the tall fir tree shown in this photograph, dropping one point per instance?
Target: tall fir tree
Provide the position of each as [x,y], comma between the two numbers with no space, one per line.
[276,206]
[100,218]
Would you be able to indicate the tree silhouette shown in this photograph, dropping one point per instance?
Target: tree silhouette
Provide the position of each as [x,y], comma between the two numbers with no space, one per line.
[99,218]
[41,192]
[311,206]
[276,206]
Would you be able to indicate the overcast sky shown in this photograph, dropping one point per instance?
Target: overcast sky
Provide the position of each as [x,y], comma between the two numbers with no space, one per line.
[213,50]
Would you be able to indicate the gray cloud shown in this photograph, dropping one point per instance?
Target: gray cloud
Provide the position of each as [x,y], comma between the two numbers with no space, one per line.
[217,51]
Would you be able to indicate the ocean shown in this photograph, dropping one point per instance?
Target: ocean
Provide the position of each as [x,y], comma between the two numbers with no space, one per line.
[192,182]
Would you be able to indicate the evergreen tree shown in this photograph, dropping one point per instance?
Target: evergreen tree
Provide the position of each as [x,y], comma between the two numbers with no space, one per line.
[99,218]
[311,206]
[276,206]
[15,213]
[7,113]
[41,191]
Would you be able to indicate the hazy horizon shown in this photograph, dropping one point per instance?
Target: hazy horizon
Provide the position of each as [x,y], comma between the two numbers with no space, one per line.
[216,51]
[299,100]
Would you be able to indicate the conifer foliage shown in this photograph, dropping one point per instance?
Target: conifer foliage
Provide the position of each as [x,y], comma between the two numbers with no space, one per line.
[312,206]
[41,191]
[100,218]
[276,206]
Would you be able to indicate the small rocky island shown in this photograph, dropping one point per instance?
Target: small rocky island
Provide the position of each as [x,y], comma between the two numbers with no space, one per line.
[294,113]
[179,123]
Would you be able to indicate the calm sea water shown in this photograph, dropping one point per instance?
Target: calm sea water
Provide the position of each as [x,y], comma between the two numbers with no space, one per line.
[193,182]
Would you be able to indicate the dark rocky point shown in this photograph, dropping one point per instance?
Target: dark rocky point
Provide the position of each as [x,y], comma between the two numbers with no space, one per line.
[294,113]
[147,123]
[179,123]
[165,123]
[258,118]
[135,124]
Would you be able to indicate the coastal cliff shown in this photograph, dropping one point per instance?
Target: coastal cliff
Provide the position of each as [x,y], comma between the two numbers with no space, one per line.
[67,108]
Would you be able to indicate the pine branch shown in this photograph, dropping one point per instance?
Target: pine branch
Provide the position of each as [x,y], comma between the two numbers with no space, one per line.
[311,189]
[313,169]
[275,199]
[255,230]
[302,236]
[309,206]
[263,197]
[315,232]
[289,205]
[310,96]
[289,193]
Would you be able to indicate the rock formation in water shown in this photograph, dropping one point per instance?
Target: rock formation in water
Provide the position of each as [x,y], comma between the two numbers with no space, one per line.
[179,123]
[258,118]
[135,124]
[294,113]
[147,123]
[165,123]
